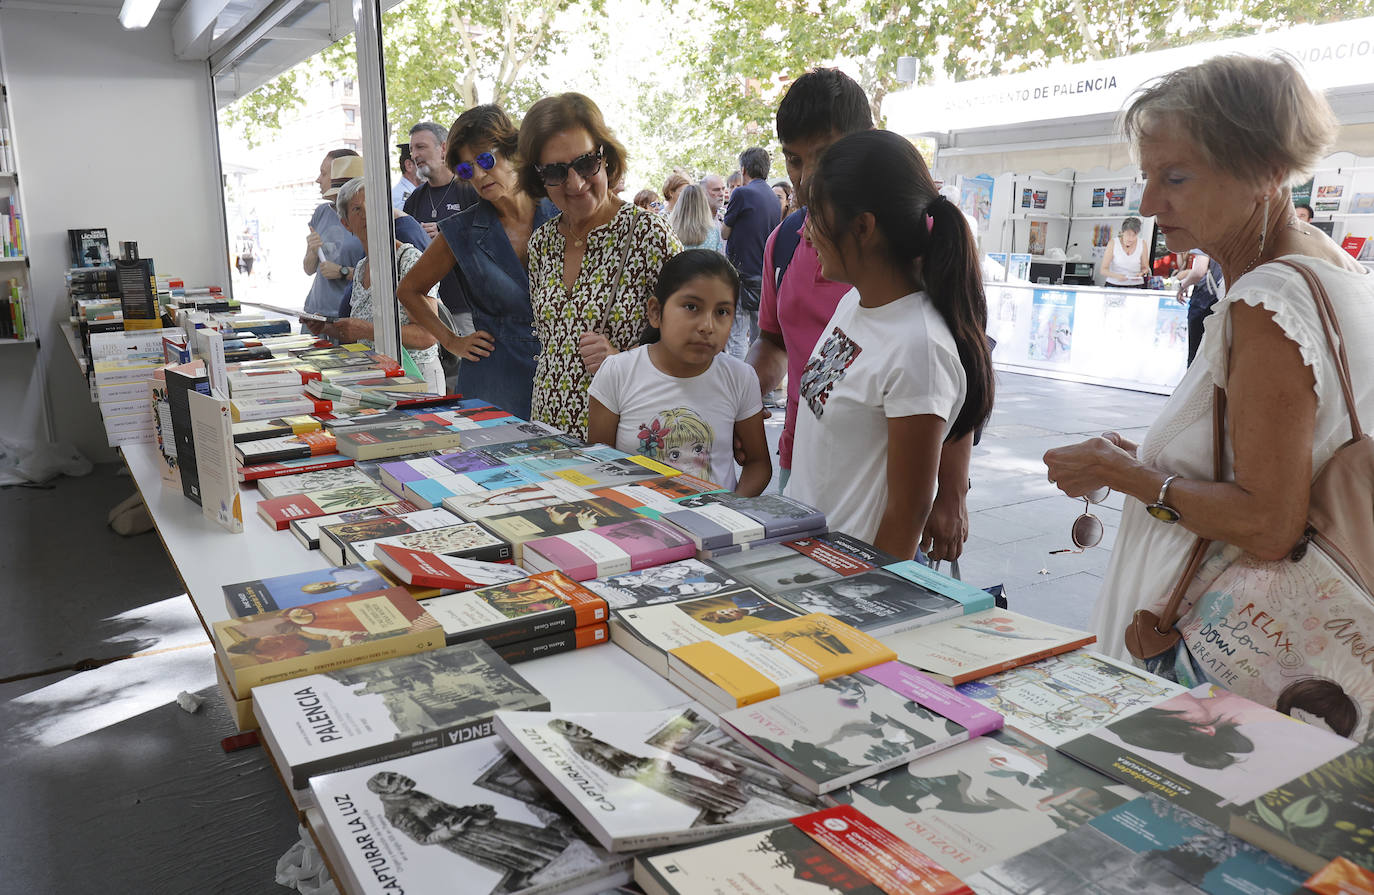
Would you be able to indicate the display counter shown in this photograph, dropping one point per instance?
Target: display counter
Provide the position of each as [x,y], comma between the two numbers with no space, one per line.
[1125,338]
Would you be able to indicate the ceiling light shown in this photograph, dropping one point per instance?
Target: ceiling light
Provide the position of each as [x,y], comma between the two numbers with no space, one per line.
[137,13]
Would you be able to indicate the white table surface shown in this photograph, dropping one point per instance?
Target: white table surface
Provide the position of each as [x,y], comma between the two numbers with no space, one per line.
[206,556]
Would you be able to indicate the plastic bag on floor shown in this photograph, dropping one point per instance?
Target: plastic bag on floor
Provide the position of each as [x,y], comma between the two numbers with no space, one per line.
[302,869]
[29,463]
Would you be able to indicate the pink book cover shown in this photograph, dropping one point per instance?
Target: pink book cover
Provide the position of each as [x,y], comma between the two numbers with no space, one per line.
[614,549]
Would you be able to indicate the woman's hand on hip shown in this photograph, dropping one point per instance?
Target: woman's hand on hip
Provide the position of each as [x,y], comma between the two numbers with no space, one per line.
[594,348]
[1079,469]
[472,347]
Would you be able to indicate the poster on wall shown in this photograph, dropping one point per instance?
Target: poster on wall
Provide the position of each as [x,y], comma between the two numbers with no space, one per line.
[1100,197]
[1039,230]
[1051,337]
[1000,260]
[1362,203]
[1003,314]
[1326,205]
[1116,197]
[1018,266]
[1330,191]
[975,198]
[1134,193]
[1102,234]
[1302,193]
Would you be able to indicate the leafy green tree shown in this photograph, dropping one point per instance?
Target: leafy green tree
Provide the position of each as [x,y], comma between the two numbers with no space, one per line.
[441,57]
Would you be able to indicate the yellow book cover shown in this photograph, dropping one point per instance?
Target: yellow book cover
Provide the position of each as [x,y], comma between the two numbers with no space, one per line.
[750,666]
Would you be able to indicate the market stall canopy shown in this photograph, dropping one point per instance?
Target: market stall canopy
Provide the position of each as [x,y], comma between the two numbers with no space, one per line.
[1066,116]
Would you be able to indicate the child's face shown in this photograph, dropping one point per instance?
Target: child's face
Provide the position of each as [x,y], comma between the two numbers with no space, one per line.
[695,320]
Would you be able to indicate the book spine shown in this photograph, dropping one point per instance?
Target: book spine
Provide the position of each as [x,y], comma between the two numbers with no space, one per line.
[271,471]
[515,629]
[565,641]
[248,602]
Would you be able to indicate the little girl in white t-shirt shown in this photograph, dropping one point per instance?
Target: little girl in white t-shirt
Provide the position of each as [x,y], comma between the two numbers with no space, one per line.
[676,397]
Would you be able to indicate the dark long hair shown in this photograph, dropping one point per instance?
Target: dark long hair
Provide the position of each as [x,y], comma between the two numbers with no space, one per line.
[881,173]
[680,270]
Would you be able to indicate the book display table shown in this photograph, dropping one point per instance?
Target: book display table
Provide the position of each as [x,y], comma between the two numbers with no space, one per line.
[207,557]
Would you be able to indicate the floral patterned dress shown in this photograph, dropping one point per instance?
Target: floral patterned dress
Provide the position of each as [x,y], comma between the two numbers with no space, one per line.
[561,315]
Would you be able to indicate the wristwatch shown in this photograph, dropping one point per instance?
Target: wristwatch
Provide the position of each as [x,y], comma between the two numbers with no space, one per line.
[1161,510]
[345,272]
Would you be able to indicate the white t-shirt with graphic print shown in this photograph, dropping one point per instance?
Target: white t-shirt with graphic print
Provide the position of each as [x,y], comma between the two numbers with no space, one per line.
[870,365]
[686,423]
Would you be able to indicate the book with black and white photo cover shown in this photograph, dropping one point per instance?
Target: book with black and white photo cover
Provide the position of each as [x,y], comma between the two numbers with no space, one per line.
[610,550]
[854,726]
[636,780]
[307,531]
[649,632]
[181,381]
[357,716]
[780,516]
[1317,816]
[299,588]
[467,818]
[335,633]
[89,247]
[667,583]
[537,606]
[1208,749]
[317,480]
[457,540]
[606,473]
[974,646]
[501,502]
[982,801]
[776,657]
[1058,698]
[837,851]
[1144,846]
[524,526]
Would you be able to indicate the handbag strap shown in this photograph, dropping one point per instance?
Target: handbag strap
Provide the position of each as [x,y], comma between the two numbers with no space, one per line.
[1334,340]
[1173,609]
[619,277]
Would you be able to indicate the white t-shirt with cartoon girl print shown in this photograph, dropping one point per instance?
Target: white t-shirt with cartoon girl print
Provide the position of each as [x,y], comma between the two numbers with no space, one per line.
[687,423]
[870,365]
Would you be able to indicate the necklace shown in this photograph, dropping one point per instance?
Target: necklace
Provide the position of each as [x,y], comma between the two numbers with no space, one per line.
[433,208]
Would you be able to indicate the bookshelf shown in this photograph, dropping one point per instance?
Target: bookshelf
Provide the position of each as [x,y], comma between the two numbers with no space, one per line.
[17,320]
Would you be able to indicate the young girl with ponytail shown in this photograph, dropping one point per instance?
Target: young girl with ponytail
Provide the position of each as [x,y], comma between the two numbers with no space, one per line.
[903,367]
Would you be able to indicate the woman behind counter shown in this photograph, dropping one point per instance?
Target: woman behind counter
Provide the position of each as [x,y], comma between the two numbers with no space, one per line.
[594,265]
[491,238]
[1126,263]
[1220,143]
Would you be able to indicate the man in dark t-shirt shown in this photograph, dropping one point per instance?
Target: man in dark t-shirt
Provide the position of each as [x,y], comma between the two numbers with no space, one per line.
[753,213]
[439,195]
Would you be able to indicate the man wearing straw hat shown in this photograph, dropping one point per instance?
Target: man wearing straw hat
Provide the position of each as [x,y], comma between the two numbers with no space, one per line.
[331,251]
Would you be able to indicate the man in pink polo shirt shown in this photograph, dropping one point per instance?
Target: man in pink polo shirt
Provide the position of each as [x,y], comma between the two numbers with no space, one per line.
[819,108]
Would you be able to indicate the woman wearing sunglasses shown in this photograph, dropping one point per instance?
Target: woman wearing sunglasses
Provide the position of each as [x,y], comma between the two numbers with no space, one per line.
[487,244]
[594,265]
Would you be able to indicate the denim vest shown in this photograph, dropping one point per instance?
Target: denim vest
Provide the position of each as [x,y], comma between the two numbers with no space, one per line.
[497,288]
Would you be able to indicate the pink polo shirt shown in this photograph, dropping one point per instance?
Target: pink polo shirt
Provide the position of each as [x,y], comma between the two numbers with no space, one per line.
[799,308]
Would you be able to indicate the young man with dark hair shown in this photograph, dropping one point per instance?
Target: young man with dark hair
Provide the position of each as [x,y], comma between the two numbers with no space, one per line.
[752,214]
[407,182]
[797,303]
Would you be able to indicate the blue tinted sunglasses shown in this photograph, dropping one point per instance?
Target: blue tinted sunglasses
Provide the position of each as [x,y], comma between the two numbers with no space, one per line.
[484,160]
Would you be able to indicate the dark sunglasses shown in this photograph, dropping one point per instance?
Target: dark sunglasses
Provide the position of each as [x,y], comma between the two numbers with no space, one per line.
[586,166]
[484,160]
